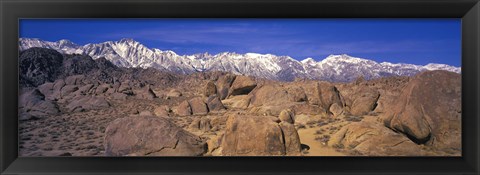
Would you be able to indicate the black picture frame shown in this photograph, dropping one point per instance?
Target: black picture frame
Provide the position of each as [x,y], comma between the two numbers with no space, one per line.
[11,11]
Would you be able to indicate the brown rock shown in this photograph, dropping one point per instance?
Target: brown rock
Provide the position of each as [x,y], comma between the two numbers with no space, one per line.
[214,145]
[162,111]
[257,136]
[145,93]
[323,94]
[85,89]
[269,95]
[102,89]
[242,85]
[47,90]
[292,140]
[150,136]
[85,103]
[329,95]
[296,93]
[32,104]
[214,103]
[74,79]
[184,109]
[373,139]
[201,124]
[125,88]
[210,89]
[237,102]
[198,106]
[286,116]
[336,110]
[119,96]
[223,85]
[173,94]
[429,110]
[68,90]
[364,100]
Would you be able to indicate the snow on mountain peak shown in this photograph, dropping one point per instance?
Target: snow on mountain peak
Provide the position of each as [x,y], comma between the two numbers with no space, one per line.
[309,61]
[339,68]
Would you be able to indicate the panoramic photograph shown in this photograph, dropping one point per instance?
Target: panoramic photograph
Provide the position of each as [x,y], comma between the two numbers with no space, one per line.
[239,87]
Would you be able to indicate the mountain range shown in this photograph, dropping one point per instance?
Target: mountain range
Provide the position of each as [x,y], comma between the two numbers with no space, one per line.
[335,68]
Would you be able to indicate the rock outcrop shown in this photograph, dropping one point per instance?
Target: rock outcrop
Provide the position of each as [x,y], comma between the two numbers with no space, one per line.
[259,136]
[150,136]
[429,110]
[373,139]
[33,105]
[364,100]
[210,89]
[198,106]
[223,85]
[242,85]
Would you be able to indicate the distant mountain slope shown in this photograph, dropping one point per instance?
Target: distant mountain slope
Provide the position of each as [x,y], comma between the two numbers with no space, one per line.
[336,68]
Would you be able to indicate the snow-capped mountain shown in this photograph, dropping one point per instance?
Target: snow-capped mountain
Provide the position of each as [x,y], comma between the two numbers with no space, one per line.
[338,68]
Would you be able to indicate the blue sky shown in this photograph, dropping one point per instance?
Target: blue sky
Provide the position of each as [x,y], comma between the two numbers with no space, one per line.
[415,41]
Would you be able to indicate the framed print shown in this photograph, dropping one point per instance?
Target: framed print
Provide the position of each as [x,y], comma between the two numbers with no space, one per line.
[202,87]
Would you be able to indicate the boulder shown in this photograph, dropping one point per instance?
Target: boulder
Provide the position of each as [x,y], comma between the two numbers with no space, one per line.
[67,90]
[214,145]
[336,109]
[85,89]
[100,90]
[198,106]
[242,85]
[312,91]
[33,105]
[47,90]
[269,95]
[74,79]
[296,93]
[85,103]
[237,102]
[259,136]
[373,139]
[286,116]
[214,103]
[210,89]
[56,91]
[223,85]
[329,95]
[119,96]
[173,94]
[150,136]
[145,93]
[429,110]
[183,109]
[364,100]
[201,124]
[125,88]
[291,138]
[162,111]
[323,94]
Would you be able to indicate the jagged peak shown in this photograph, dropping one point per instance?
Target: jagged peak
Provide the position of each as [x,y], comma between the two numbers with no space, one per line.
[308,60]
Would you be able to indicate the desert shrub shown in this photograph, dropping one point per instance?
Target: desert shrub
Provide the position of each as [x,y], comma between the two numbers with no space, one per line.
[338,146]
[311,122]
[323,138]
[320,131]
[353,118]
[322,123]
[301,126]
[356,153]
